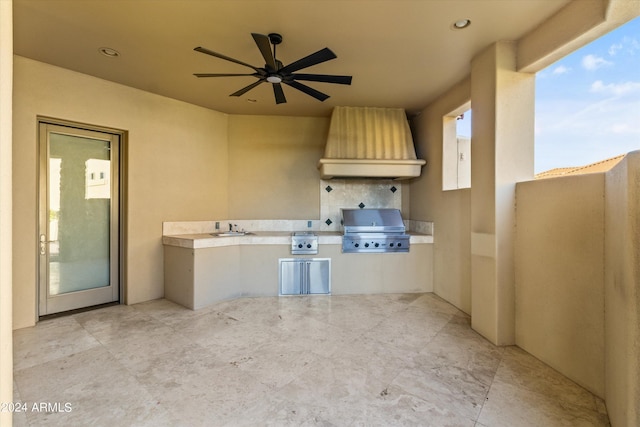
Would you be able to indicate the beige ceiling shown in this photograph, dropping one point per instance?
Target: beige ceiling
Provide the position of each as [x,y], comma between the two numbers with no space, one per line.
[401,53]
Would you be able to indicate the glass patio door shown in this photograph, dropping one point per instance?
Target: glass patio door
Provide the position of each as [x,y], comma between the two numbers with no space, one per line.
[78,218]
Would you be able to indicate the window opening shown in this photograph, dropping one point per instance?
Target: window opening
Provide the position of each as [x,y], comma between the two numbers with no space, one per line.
[588,104]
[456,149]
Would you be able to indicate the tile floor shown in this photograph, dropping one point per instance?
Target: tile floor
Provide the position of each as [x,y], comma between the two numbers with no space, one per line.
[375,360]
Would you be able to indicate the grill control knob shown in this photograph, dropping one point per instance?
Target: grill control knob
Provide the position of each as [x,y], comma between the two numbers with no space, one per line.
[309,245]
[399,244]
[366,245]
[357,245]
[376,245]
[390,245]
[300,245]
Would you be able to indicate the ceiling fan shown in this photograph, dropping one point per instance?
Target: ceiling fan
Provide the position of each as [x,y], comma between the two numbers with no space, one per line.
[275,73]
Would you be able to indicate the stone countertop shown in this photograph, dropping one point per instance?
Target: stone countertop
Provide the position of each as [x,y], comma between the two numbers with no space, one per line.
[207,240]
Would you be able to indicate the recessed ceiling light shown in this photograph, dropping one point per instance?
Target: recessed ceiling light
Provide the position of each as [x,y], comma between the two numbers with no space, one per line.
[251,100]
[107,51]
[461,23]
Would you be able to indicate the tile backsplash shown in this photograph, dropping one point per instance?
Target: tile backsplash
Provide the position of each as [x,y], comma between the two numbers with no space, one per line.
[335,194]
[355,193]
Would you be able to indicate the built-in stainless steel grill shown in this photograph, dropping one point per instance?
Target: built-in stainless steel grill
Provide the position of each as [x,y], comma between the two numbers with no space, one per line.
[373,230]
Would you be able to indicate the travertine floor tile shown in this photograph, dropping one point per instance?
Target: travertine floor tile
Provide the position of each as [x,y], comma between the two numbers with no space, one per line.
[526,392]
[19,416]
[91,388]
[353,360]
[50,340]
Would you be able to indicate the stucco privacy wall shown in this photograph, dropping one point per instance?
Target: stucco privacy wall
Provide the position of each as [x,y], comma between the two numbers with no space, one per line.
[578,281]
[272,166]
[559,275]
[177,152]
[6,84]
[622,291]
[449,210]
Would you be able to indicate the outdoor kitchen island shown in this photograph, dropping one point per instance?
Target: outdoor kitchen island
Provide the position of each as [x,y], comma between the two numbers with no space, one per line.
[201,269]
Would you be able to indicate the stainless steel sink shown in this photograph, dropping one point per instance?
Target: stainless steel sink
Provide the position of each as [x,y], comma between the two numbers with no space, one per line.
[230,234]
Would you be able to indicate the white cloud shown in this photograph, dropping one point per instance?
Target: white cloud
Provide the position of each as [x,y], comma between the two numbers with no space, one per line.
[619,89]
[570,132]
[614,48]
[561,69]
[593,62]
[632,44]
[628,45]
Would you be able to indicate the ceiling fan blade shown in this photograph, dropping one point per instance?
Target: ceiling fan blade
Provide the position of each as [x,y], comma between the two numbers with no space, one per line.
[222,75]
[308,90]
[247,88]
[279,93]
[264,45]
[225,57]
[315,58]
[325,78]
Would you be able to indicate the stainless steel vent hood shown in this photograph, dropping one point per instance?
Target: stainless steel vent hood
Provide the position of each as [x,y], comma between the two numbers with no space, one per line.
[369,142]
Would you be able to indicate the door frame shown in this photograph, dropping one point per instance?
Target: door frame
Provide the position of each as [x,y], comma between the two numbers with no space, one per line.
[121,210]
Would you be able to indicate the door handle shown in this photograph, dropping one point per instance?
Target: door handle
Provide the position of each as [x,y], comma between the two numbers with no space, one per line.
[43,244]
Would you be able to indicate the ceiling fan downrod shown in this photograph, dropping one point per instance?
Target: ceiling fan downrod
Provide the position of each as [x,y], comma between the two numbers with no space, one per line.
[275,40]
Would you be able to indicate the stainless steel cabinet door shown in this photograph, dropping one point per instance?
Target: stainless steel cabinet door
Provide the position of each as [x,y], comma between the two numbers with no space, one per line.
[305,276]
[318,276]
[291,277]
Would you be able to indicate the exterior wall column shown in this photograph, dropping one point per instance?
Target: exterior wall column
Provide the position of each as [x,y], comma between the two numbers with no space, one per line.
[502,101]
[6,207]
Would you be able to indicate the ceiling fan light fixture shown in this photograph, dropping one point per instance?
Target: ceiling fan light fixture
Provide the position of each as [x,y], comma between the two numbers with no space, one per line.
[108,52]
[274,79]
[461,23]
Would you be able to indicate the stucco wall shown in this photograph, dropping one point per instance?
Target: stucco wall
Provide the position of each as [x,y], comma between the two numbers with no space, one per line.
[622,291]
[559,275]
[449,210]
[578,281]
[273,166]
[185,163]
[6,318]
[177,168]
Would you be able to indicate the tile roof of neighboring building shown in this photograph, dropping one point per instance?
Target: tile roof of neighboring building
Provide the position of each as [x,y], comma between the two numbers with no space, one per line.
[601,166]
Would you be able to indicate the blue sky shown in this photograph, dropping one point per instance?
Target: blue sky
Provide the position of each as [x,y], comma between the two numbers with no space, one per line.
[588,103]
